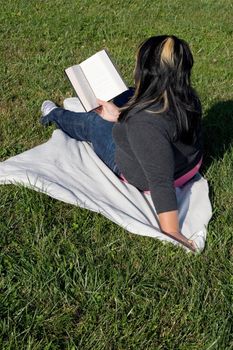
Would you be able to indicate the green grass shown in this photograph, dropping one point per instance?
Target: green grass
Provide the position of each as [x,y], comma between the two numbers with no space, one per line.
[71,279]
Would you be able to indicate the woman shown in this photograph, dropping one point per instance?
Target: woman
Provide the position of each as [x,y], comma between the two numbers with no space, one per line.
[154,141]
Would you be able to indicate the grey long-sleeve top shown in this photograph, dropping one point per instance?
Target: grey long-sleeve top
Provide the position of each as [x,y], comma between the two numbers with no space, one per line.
[150,160]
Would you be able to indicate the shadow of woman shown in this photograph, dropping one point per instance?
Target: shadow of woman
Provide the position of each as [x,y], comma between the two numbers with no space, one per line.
[218,132]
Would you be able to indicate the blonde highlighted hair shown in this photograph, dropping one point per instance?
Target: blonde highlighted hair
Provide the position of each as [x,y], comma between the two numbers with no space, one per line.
[167,51]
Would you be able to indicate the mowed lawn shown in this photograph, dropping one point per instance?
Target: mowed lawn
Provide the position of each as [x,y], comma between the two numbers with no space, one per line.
[69,278]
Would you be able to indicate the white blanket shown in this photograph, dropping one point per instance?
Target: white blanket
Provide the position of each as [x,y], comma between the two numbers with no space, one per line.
[70,171]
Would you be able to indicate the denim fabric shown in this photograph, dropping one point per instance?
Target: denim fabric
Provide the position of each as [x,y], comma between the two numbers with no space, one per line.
[90,127]
[87,126]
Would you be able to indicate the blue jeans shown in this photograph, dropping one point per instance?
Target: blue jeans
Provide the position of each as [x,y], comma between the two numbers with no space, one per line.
[87,126]
[90,127]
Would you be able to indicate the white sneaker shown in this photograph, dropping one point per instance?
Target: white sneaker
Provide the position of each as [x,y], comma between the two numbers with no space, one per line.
[47,107]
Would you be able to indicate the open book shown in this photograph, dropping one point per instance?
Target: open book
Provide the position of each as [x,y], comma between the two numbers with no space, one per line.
[96,77]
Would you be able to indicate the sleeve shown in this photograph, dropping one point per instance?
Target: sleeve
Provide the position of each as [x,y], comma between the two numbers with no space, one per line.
[152,148]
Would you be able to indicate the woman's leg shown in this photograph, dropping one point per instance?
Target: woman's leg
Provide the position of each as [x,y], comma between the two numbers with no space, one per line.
[87,126]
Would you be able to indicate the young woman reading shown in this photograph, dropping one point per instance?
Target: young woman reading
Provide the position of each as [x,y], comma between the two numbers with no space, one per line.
[155,140]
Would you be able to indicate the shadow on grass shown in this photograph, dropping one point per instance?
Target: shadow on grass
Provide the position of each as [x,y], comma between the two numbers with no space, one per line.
[218,132]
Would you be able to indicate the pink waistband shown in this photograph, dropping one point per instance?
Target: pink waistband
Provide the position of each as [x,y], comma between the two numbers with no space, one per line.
[181,180]
[186,177]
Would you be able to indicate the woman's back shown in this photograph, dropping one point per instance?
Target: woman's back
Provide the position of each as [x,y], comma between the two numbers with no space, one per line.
[148,157]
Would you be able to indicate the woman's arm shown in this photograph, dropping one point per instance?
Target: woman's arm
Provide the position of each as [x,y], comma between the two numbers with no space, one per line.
[169,223]
[154,153]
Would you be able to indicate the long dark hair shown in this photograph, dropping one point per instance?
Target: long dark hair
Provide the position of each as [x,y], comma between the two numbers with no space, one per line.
[162,80]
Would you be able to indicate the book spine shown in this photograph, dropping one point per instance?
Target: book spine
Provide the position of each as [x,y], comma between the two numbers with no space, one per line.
[90,88]
[82,87]
[74,90]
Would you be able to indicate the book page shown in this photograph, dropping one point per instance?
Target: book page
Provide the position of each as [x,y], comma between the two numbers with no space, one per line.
[82,87]
[102,76]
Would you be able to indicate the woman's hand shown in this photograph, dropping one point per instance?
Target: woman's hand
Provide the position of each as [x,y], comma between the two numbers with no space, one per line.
[108,111]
